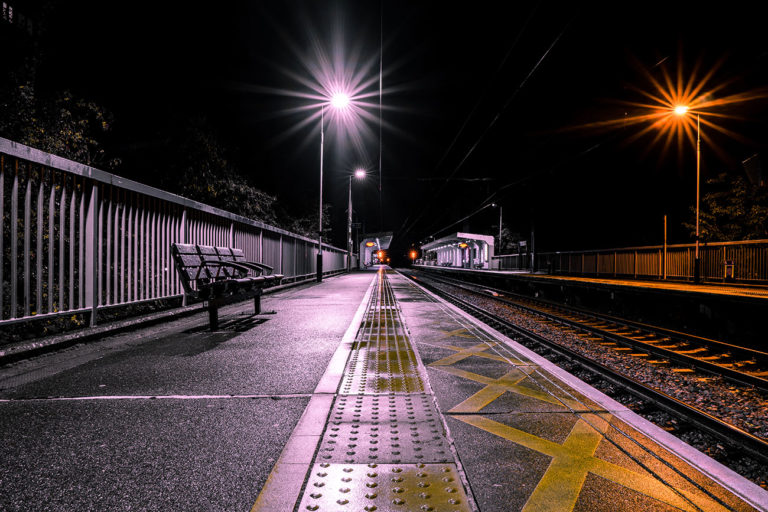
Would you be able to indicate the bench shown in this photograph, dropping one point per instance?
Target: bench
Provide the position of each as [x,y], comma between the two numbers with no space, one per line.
[221,276]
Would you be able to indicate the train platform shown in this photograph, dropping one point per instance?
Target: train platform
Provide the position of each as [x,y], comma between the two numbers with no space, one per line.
[364,392]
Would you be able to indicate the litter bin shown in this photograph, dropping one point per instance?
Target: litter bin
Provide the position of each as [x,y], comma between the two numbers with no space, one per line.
[729,270]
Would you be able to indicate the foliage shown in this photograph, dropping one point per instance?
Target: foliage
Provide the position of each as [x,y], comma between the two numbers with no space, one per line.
[61,123]
[202,170]
[509,240]
[734,209]
[307,226]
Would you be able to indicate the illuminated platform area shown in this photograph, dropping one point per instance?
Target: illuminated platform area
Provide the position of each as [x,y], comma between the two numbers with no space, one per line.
[424,408]
[360,393]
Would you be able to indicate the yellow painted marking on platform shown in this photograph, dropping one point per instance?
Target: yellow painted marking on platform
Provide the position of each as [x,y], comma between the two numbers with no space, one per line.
[463,353]
[494,388]
[479,350]
[561,484]
[459,333]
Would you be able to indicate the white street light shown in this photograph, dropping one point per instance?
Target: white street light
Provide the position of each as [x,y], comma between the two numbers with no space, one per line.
[359,174]
[339,101]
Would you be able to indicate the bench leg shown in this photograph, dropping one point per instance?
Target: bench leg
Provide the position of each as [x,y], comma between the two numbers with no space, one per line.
[257,304]
[213,317]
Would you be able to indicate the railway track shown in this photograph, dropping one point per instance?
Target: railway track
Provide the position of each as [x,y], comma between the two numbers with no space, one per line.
[682,352]
[744,442]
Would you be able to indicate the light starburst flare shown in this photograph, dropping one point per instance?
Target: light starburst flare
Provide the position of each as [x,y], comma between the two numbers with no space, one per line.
[673,106]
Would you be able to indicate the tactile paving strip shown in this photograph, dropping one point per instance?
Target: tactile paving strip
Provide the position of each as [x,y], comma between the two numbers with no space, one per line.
[384,429]
[382,358]
[384,487]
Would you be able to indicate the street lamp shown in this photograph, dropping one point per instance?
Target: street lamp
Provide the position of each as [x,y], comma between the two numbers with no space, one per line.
[494,205]
[359,174]
[682,110]
[339,101]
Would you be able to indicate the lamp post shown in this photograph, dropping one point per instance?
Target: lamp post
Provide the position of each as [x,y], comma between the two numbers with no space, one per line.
[682,110]
[359,174]
[339,101]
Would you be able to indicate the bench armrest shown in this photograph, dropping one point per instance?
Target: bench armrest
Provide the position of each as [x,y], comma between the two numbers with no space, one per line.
[261,267]
[231,264]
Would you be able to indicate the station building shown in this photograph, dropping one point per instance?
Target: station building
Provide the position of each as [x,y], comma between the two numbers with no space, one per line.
[461,250]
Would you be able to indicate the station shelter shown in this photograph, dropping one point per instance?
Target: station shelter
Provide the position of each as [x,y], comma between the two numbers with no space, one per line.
[462,250]
[371,246]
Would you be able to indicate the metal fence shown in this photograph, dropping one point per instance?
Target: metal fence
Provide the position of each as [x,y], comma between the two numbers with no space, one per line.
[75,239]
[748,260]
[511,261]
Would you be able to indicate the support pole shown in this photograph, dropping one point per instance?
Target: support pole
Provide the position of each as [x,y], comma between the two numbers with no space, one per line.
[320,223]
[349,227]
[696,261]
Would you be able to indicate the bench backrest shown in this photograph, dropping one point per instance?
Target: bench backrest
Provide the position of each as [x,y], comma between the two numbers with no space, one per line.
[195,264]
[190,266]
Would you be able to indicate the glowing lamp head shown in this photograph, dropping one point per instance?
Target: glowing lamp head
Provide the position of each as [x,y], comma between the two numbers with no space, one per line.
[414,254]
[463,245]
[360,173]
[369,244]
[681,110]
[340,101]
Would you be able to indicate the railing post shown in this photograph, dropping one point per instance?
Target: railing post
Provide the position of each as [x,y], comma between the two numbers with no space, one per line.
[183,240]
[14,239]
[231,234]
[635,263]
[27,247]
[660,263]
[91,242]
[2,216]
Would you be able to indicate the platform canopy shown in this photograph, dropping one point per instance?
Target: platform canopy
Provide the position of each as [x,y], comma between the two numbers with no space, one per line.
[466,250]
[371,243]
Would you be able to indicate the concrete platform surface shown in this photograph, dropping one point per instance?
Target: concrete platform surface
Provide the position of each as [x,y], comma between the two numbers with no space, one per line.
[172,417]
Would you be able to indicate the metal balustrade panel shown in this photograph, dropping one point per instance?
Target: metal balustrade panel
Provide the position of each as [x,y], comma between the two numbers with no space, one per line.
[74,239]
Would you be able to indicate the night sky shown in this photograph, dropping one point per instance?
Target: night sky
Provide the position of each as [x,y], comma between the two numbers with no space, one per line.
[514,86]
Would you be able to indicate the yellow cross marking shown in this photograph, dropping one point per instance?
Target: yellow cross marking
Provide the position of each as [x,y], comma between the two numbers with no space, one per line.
[561,484]
[459,333]
[478,350]
[494,388]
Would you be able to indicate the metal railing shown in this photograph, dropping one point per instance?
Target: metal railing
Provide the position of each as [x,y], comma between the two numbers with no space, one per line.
[520,261]
[749,260]
[75,239]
